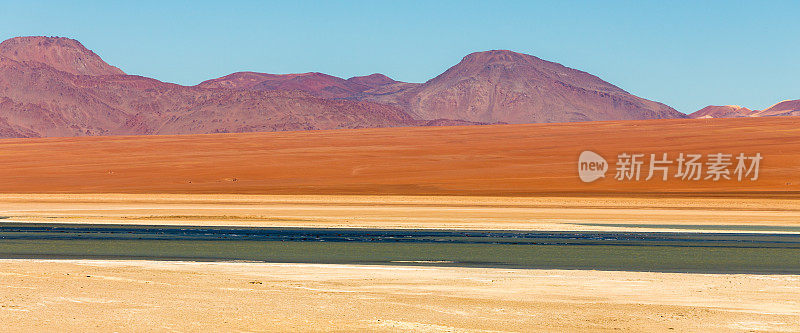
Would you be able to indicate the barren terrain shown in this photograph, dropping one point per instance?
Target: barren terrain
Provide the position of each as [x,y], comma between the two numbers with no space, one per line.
[505,177]
[188,296]
[495,160]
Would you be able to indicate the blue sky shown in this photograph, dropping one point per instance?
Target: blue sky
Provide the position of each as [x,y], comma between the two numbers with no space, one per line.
[686,54]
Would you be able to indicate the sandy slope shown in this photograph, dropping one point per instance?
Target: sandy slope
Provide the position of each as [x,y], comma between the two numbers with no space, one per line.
[502,160]
[40,295]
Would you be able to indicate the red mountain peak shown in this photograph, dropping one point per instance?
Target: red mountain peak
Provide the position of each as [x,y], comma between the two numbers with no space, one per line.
[510,87]
[64,54]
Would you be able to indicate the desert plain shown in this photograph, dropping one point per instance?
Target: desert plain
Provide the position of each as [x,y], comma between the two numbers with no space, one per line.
[55,295]
[500,177]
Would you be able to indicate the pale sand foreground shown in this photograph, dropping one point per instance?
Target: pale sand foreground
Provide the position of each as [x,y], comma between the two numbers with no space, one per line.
[80,295]
[443,212]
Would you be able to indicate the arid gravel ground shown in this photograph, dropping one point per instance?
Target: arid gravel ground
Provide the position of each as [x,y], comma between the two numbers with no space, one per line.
[87,295]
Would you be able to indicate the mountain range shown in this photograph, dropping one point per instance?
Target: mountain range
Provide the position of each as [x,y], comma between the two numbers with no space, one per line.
[485,87]
[782,109]
[56,87]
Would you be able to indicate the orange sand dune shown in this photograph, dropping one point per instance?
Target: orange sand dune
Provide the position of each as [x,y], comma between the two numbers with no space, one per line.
[531,159]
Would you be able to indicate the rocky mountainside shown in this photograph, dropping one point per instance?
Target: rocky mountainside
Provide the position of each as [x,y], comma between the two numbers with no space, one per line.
[509,87]
[315,84]
[63,54]
[63,89]
[485,87]
[51,86]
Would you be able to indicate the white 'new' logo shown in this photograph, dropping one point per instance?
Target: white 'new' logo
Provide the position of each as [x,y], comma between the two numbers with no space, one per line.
[591,166]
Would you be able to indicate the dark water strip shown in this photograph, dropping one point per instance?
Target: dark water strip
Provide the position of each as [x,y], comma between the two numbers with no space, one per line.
[632,251]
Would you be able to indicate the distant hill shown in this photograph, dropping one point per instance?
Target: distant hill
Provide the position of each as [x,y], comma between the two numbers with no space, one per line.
[785,108]
[721,111]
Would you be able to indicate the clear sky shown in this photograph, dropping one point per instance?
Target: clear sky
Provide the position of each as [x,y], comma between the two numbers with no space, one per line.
[687,54]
